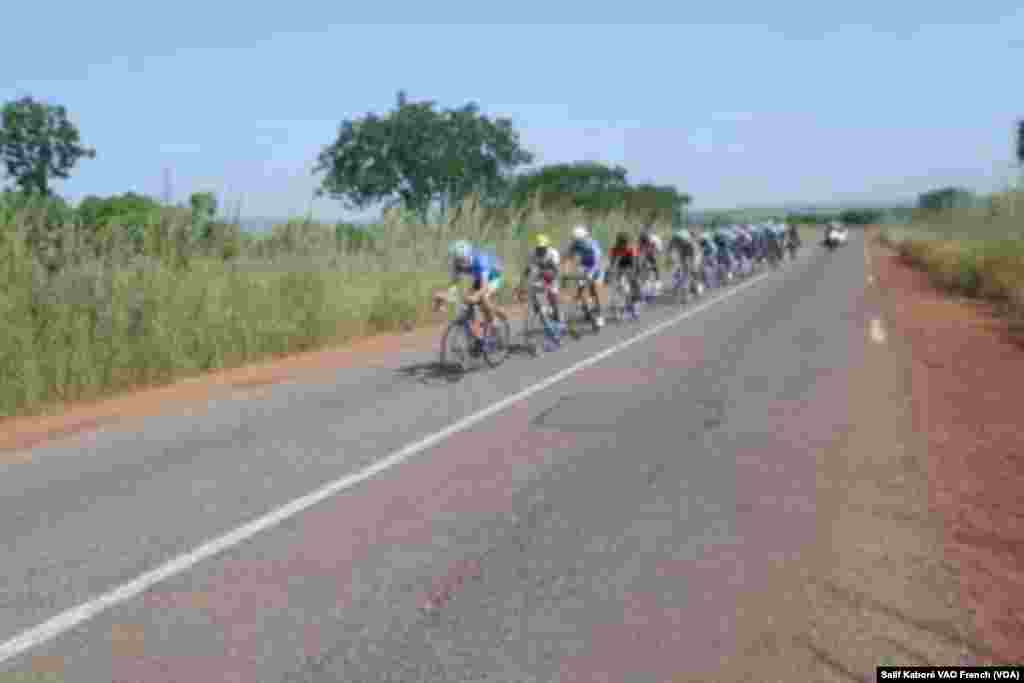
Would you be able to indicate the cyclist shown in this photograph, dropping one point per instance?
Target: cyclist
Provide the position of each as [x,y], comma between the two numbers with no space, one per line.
[793,234]
[709,259]
[624,259]
[756,242]
[650,247]
[586,252]
[683,252]
[722,251]
[487,272]
[773,243]
[744,245]
[544,261]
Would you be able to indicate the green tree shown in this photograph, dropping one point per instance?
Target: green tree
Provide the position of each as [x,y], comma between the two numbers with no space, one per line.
[945,198]
[38,142]
[204,210]
[656,203]
[1020,142]
[415,156]
[861,216]
[130,214]
[584,184]
[203,204]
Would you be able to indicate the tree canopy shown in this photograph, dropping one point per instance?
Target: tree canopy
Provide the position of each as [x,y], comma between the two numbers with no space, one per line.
[1020,142]
[945,198]
[37,143]
[598,188]
[416,156]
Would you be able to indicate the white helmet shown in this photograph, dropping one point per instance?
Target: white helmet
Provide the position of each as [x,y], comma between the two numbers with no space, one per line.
[580,232]
[460,249]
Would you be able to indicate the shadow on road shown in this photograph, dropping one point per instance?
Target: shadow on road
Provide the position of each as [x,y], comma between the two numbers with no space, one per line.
[432,372]
[435,372]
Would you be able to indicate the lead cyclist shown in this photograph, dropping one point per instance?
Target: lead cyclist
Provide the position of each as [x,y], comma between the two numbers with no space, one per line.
[485,270]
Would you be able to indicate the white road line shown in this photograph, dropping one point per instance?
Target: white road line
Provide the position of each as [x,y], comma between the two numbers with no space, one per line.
[877,331]
[69,619]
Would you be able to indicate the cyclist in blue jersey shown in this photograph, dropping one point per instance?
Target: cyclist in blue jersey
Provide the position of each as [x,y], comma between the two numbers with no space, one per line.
[724,253]
[709,260]
[486,271]
[586,251]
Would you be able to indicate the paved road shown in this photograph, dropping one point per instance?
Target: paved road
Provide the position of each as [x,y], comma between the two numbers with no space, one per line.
[602,528]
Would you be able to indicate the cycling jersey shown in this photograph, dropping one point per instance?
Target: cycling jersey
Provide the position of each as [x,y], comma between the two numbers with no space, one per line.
[588,251]
[682,246]
[547,262]
[483,267]
[624,257]
[649,247]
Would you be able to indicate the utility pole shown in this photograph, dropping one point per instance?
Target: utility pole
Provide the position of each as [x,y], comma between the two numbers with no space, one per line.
[168,187]
[1020,153]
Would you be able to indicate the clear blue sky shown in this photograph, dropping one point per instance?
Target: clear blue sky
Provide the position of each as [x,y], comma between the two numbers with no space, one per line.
[758,105]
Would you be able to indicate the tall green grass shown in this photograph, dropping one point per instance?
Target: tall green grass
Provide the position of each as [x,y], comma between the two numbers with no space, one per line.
[977,252]
[92,311]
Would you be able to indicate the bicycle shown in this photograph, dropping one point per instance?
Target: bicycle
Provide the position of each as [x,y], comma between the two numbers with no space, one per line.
[580,309]
[620,297]
[540,315]
[493,346]
[794,246]
[683,284]
[650,286]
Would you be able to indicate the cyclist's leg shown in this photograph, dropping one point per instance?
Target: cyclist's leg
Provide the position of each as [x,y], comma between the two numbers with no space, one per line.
[652,260]
[633,277]
[553,300]
[595,278]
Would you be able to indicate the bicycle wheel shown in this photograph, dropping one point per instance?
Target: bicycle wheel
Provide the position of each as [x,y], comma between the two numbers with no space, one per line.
[617,300]
[681,286]
[541,325]
[531,326]
[576,315]
[456,347]
[496,341]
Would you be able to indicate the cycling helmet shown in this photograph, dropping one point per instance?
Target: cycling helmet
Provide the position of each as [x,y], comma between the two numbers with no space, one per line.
[460,249]
[542,241]
[656,241]
[580,232]
[683,234]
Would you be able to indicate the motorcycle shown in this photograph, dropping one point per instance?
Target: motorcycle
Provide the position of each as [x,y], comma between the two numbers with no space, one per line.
[832,240]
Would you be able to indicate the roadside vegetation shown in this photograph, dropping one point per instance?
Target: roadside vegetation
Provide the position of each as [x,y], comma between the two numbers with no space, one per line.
[970,245]
[125,291]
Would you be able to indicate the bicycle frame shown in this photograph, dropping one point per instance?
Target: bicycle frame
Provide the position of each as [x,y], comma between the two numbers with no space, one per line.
[540,293]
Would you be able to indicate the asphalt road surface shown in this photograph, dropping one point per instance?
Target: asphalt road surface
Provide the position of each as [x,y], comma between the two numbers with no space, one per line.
[599,525]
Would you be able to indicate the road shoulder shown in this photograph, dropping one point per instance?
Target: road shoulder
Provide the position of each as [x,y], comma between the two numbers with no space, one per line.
[965,378]
[879,586]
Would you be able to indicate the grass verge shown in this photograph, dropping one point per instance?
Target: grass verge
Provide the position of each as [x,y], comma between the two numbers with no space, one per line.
[88,314]
[970,253]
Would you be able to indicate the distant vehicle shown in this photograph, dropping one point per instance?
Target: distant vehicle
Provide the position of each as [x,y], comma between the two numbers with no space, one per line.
[835,235]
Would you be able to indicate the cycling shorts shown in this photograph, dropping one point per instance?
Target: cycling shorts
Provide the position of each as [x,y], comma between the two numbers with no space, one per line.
[592,274]
[547,280]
